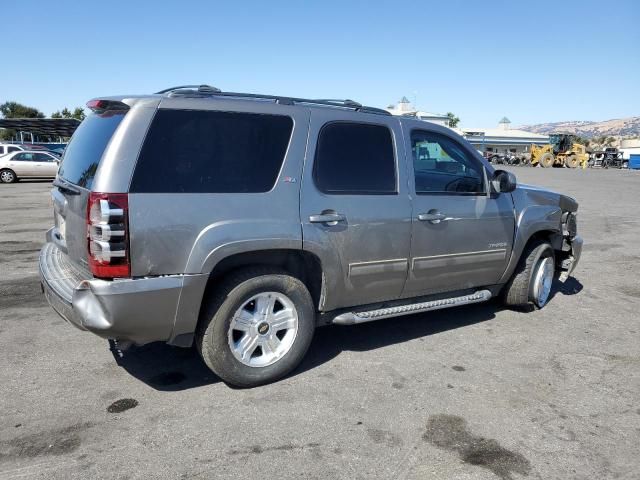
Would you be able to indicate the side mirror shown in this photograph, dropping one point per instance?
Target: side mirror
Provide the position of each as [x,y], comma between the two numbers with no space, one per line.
[503,181]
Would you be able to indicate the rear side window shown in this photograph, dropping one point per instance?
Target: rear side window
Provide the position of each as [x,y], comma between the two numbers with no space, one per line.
[355,158]
[200,151]
[82,155]
[43,157]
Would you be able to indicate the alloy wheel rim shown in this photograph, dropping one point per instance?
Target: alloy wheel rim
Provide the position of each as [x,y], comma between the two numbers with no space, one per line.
[263,329]
[7,176]
[543,281]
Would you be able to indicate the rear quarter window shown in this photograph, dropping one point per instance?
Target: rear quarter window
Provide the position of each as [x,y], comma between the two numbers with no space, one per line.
[200,151]
[82,155]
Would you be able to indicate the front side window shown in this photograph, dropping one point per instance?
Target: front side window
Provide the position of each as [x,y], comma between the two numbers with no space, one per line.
[12,149]
[203,151]
[443,166]
[355,158]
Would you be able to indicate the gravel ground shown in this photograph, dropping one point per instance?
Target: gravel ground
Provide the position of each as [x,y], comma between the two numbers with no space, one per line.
[470,393]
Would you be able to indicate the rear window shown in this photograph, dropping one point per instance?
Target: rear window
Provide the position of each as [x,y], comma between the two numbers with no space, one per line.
[82,155]
[199,151]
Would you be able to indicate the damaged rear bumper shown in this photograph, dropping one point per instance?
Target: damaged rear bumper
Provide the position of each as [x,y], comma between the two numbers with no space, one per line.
[140,310]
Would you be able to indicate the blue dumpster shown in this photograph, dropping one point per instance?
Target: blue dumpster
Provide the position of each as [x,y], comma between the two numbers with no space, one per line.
[634,161]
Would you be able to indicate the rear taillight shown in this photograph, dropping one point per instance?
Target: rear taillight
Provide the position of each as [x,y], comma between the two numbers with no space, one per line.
[108,232]
[102,106]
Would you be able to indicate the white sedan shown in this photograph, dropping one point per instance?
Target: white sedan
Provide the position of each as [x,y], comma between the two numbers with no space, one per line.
[27,164]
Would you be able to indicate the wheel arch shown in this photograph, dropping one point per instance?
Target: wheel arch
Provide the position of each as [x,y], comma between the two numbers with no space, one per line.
[301,264]
[545,231]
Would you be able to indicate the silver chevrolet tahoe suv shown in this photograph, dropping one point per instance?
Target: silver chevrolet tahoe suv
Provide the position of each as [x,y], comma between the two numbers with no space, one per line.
[240,222]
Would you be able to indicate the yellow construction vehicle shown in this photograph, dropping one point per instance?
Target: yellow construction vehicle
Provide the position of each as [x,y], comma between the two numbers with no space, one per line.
[562,151]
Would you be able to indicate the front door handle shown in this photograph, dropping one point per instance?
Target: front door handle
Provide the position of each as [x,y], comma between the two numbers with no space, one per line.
[328,218]
[432,217]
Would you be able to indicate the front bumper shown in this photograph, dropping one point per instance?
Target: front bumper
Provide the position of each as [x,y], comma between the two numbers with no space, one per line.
[138,310]
[576,251]
[571,261]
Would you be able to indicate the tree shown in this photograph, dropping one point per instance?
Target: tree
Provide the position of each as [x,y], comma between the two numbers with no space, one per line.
[78,113]
[453,120]
[16,110]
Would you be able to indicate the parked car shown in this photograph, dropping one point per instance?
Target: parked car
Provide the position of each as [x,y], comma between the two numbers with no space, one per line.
[57,151]
[6,148]
[241,222]
[27,164]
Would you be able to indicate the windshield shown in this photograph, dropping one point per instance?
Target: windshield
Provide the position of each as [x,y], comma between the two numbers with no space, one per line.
[82,155]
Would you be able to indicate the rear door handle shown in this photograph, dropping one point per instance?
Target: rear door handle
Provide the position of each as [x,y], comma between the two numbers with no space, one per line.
[327,218]
[432,217]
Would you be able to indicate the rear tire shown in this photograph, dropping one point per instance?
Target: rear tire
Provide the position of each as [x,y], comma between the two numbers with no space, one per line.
[240,335]
[547,160]
[8,176]
[530,284]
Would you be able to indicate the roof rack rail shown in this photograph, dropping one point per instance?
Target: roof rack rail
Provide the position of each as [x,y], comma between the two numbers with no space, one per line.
[206,90]
[338,102]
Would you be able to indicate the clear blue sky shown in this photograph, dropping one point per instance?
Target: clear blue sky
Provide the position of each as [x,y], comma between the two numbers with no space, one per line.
[533,61]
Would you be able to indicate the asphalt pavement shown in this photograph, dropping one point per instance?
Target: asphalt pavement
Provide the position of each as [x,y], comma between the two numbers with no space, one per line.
[478,392]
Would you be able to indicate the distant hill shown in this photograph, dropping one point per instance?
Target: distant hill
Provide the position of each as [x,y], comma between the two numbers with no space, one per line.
[618,127]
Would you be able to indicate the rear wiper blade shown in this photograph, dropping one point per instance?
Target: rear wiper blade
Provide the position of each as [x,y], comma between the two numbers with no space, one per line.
[65,187]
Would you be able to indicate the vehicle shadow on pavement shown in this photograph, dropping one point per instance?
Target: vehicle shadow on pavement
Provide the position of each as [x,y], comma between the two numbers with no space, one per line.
[330,341]
[571,286]
[166,368]
[35,180]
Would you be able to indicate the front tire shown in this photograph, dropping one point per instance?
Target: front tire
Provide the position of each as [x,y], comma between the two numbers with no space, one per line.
[7,176]
[257,326]
[531,283]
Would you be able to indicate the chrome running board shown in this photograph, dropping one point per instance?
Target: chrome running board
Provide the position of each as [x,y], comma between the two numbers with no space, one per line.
[350,318]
